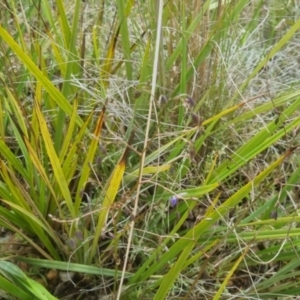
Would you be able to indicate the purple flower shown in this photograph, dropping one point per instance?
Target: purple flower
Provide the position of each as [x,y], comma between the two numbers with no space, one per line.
[173,201]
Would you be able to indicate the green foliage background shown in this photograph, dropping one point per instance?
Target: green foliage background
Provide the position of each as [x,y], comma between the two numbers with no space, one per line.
[111,109]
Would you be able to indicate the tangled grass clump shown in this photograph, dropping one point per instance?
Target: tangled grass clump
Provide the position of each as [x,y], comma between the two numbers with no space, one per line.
[149,150]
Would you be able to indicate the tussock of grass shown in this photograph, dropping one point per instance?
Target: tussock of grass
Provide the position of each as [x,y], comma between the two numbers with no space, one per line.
[149,150]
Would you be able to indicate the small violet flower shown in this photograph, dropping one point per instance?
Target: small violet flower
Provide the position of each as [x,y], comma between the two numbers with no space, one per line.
[173,201]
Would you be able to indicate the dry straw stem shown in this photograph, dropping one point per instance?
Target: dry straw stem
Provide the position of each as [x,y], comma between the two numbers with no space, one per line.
[142,161]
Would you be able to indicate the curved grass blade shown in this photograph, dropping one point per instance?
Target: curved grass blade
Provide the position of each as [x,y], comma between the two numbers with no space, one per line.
[55,163]
[230,274]
[32,288]
[89,158]
[72,68]
[54,93]
[71,267]
[174,272]
[12,289]
[111,190]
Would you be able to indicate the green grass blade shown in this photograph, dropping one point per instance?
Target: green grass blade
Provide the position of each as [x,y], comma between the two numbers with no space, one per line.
[56,164]
[72,267]
[50,88]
